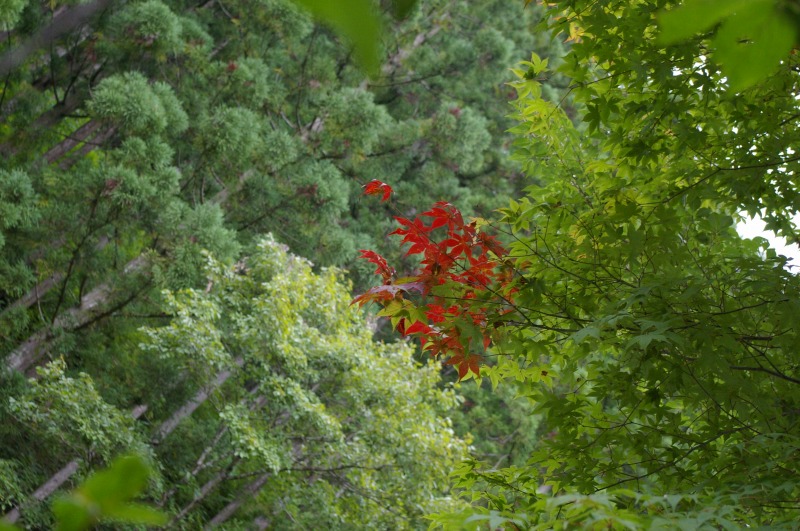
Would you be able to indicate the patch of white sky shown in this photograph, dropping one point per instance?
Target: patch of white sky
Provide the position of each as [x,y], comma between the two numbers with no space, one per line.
[753,226]
[756,228]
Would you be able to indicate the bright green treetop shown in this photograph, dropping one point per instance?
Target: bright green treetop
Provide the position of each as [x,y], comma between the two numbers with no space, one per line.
[284,386]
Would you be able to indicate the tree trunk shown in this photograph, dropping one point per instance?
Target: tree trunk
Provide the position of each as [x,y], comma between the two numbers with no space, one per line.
[24,356]
[169,425]
[78,136]
[35,294]
[205,490]
[261,523]
[164,430]
[62,24]
[95,142]
[200,464]
[50,486]
[40,290]
[28,352]
[233,506]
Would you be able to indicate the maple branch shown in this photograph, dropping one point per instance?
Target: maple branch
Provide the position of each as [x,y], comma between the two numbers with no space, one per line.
[767,371]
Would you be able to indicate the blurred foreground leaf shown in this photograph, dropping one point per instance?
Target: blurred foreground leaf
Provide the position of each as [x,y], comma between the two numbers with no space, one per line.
[357,21]
[106,495]
[752,39]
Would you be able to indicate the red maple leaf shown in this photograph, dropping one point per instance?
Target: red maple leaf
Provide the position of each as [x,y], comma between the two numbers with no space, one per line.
[443,213]
[418,328]
[376,187]
[383,269]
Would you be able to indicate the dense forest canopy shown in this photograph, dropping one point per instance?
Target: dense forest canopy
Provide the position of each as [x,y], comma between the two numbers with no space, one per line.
[580,255]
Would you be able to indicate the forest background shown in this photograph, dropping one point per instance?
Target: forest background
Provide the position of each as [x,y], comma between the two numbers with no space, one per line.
[141,139]
[642,355]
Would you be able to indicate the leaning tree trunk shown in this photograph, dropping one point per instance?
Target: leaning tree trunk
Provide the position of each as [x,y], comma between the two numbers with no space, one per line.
[91,308]
[202,462]
[205,490]
[169,425]
[62,24]
[248,492]
[78,136]
[92,136]
[164,430]
[27,353]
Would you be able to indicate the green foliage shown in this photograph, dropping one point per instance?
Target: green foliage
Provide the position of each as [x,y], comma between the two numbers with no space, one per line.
[105,496]
[130,102]
[655,342]
[353,123]
[10,488]
[461,137]
[313,405]
[68,413]
[198,229]
[10,11]
[232,135]
[18,212]
[153,131]
[499,423]
[362,412]
[751,41]
[17,198]
[151,27]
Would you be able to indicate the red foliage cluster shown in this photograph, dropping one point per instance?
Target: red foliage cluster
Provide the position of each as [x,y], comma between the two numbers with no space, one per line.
[461,269]
[376,187]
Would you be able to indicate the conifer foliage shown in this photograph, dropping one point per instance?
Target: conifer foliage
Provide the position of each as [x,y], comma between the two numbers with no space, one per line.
[140,138]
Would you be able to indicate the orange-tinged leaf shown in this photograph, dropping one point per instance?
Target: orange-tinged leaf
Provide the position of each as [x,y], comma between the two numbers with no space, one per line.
[455,359]
[438,222]
[466,364]
[463,369]
[474,364]
[417,248]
